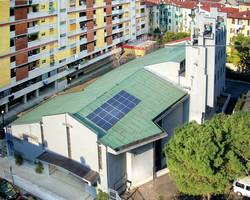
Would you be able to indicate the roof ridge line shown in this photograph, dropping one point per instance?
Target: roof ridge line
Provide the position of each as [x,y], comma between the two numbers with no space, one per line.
[165,79]
[109,90]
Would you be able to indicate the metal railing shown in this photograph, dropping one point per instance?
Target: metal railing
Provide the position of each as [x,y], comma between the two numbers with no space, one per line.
[113,195]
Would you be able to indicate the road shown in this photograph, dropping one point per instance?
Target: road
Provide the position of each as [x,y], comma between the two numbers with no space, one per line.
[236,89]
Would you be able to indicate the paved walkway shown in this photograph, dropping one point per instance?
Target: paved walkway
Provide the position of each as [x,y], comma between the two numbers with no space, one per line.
[236,88]
[162,188]
[58,186]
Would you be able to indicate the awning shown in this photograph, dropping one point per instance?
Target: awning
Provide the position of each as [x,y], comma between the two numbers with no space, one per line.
[70,165]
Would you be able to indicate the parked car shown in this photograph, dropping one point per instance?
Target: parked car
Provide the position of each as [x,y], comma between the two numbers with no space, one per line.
[242,186]
[8,191]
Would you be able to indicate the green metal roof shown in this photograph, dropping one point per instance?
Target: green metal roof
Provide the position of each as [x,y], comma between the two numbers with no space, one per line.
[155,94]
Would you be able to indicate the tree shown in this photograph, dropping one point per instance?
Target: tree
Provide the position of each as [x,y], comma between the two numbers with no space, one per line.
[233,56]
[157,31]
[39,168]
[241,44]
[18,159]
[116,57]
[205,159]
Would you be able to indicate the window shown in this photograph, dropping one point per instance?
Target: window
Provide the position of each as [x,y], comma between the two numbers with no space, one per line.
[63,60]
[240,185]
[42,6]
[12,28]
[12,12]
[73,51]
[61,69]
[12,59]
[63,22]
[82,14]
[63,35]
[233,21]
[13,73]
[248,188]
[12,42]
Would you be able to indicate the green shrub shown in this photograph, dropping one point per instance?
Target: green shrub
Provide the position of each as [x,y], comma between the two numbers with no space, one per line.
[172,36]
[160,197]
[239,104]
[39,167]
[18,159]
[102,195]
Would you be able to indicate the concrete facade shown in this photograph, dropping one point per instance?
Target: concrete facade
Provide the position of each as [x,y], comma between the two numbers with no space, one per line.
[203,73]
[117,170]
[47,45]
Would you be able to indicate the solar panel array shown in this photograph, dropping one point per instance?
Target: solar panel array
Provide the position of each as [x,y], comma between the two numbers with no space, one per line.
[108,114]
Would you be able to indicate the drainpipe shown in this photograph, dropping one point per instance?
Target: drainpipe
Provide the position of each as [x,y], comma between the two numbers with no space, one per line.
[154,169]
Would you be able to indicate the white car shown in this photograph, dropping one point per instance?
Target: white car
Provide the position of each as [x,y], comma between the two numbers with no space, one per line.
[242,186]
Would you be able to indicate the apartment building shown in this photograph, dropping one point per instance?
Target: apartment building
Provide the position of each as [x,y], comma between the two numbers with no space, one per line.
[45,45]
[177,15]
[238,22]
[171,15]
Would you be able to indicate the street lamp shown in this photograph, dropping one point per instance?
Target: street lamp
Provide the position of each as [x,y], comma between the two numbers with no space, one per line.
[70,79]
[2,113]
[11,174]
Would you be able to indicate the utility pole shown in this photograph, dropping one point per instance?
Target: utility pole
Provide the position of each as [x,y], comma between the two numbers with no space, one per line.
[11,174]
[3,123]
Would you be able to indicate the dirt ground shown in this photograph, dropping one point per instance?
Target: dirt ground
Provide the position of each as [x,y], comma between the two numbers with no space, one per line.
[164,188]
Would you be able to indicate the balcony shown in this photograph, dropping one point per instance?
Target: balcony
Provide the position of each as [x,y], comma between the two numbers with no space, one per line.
[38,28]
[38,56]
[33,15]
[117,2]
[82,19]
[77,8]
[79,31]
[41,41]
[117,30]
[140,32]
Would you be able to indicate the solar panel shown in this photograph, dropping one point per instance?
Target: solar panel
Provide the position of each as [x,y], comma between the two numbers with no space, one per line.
[109,113]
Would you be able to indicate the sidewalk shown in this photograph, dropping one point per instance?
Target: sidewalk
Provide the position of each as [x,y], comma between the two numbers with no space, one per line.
[58,186]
